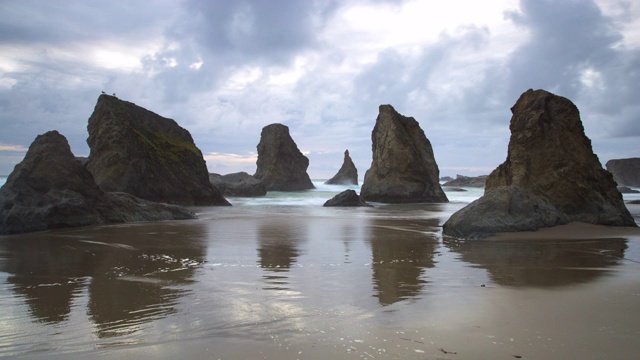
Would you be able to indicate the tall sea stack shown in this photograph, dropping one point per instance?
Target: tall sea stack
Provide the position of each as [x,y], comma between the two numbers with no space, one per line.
[136,151]
[403,169]
[347,175]
[551,176]
[280,165]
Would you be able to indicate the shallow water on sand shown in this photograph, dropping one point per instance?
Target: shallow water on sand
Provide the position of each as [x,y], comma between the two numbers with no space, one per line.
[270,279]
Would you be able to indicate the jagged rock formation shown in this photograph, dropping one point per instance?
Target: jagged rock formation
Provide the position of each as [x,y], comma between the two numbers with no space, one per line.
[238,184]
[51,189]
[280,165]
[347,175]
[347,198]
[625,171]
[467,181]
[136,151]
[446,178]
[403,169]
[550,164]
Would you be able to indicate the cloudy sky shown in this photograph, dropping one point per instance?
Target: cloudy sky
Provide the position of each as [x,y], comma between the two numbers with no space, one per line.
[224,69]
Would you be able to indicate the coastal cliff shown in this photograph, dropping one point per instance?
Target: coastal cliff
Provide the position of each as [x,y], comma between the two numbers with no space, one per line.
[625,171]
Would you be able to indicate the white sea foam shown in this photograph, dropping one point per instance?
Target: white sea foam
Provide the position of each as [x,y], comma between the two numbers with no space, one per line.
[3,179]
[323,192]
[317,196]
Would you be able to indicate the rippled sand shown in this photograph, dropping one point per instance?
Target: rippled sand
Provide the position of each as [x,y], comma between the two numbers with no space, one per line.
[306,282]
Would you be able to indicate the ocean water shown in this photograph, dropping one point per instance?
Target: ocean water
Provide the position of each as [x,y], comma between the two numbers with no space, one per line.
[281,277]
[3,179]
[322,193]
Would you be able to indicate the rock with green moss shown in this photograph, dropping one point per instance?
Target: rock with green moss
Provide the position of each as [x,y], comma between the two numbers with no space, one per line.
[136,151]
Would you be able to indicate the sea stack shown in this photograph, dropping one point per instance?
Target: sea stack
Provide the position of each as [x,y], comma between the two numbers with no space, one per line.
[403,169]
[550,177]
[625,171]
[136,151]
[51,189]
[280,165]
[347,175]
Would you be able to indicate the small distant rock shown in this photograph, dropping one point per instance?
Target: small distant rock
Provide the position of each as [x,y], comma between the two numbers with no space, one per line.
[446,178]
[347,175]
[468,181]
[403,168]
[83,159]
[347,198]
[238,184]
[453,188]
[627,190]
[52,189]
[280,165]
[625,171]
[634,202]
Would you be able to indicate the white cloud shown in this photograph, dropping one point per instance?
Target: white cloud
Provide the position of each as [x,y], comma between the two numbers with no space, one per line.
[17,148]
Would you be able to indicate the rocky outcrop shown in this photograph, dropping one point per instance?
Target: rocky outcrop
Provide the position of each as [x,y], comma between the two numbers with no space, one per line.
[505,209]
[280,165]
[552,165]
[625,171]
[446,178]
[51,189]
[403,169]
[347,175]
[347,198]
[238,184]
[467,181]
[136,151]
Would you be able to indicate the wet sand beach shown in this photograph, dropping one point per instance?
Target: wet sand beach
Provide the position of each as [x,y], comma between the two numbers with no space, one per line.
[281,281]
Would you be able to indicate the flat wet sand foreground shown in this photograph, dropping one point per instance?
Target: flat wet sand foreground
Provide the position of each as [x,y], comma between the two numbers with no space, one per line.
[304,282]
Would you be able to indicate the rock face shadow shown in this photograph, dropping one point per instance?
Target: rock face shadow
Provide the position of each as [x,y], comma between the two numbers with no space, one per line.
[541,263]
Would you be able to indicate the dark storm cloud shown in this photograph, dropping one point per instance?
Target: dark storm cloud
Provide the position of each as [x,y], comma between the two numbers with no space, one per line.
[574,50]
[566,37]
[254,31]
[437,83]
[58,22]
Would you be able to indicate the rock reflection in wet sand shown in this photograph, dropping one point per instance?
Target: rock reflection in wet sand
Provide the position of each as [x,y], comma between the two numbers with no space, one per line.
[132,273]
[541,263]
